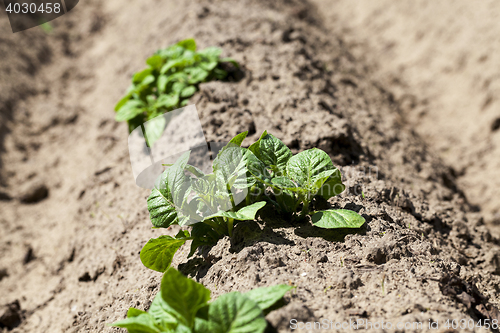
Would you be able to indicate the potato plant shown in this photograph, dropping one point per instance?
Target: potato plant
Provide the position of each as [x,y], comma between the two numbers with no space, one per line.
[172,76]
[211,203]
[242,182]
[295,180]
[183,305]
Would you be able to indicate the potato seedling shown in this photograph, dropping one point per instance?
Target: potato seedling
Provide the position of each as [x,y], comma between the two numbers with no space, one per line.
[184,195]
[295,180]
[182,305]
[241,183]
[172,77]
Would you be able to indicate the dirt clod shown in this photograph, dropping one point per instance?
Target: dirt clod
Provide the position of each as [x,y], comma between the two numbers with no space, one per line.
[11,315]
[35,194]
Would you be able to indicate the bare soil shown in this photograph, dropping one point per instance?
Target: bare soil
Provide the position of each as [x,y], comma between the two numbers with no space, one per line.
[73,221]
[439,60]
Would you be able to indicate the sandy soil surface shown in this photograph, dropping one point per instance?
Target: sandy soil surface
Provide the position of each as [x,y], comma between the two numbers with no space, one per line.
[73,221]
[440,60]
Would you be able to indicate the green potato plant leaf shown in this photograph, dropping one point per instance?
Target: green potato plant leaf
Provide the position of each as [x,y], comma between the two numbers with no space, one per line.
[235,313]
[163,314]
[129,110]
[310,168]
[244,214]
[169,195]
[158,253]
[337,218]
[142,323]
[267,297]
[183,306]
[183,295]
[272,152]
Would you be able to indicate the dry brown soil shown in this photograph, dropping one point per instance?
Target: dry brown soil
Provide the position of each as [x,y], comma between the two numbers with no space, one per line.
[330,75]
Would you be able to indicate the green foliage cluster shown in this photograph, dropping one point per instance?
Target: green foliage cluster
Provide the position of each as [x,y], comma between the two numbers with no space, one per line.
[265,172]
[182,306]
[172,76]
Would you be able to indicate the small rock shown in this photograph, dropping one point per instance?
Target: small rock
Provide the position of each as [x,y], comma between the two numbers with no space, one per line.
[3,273]
[85,277]
[29,256]
[495,125]
[10,315]
[35,194]
[5,197]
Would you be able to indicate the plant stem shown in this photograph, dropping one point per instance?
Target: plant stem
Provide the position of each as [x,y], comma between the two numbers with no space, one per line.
[305,209]
[230,224]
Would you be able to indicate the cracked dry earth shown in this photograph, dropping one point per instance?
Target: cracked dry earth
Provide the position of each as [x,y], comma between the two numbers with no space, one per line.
[73,221]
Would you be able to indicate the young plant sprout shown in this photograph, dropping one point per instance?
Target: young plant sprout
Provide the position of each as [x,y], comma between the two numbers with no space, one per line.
[295,180]
[182,305]
[212,203]
[172,77]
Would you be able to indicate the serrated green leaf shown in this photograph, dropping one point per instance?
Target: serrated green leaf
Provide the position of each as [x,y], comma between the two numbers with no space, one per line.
[188,44]
[266,297]
[246,213]
[158,253]
[235,313]
[337,218]
[188,91]
[183,295]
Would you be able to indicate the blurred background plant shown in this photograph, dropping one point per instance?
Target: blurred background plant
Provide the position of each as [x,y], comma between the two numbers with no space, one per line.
[172,77]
